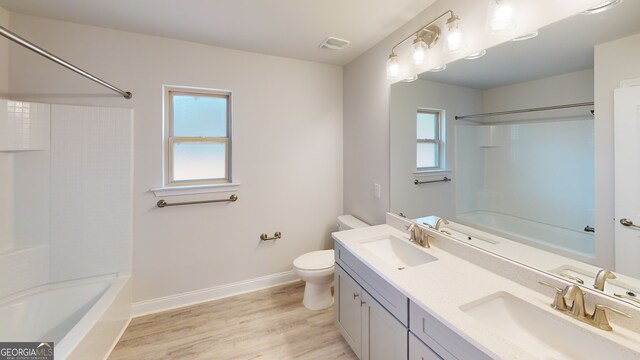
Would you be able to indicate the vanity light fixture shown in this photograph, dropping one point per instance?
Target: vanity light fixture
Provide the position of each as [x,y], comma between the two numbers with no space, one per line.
[476,55]
[455,38]
[601,7]
[524,37]
[393,66]
[418,50]
[501,16]
[425,38]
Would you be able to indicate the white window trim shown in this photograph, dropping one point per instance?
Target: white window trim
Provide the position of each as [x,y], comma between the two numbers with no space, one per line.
[439,141]
[423,173]
[192,188]
[195,189]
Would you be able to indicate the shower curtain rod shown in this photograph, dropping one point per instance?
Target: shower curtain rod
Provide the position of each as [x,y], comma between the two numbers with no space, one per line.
[565,106]
[18,40]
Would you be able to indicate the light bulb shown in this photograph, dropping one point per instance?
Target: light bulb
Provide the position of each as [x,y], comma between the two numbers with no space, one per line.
[454,40]
[393,66]
[418,49]
[501,16]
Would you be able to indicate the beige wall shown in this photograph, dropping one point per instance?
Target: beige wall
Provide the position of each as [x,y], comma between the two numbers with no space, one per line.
[287,148]
[366,93]
[614,61]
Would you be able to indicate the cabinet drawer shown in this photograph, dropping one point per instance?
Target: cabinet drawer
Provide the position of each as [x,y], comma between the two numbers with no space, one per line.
[440,338]
[387,295]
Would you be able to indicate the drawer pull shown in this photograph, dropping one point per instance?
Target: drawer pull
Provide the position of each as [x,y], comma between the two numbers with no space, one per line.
[355,295]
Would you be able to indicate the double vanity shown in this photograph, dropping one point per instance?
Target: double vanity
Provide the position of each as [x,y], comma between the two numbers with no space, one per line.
[396,299]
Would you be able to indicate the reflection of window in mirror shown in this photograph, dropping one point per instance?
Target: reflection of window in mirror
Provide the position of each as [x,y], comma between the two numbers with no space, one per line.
[430,140]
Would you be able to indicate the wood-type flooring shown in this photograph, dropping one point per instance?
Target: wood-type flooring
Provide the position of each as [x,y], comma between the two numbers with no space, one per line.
[266,324]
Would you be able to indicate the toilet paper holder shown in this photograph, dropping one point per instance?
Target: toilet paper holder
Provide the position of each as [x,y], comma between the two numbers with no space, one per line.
[276,235]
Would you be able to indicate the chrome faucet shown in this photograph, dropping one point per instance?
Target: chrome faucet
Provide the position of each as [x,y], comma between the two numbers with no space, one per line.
[601,278]
[440,222]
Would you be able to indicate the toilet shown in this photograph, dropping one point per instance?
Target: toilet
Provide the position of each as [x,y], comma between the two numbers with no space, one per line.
[316,269]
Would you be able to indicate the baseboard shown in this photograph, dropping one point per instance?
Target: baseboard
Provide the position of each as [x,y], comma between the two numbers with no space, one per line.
[194,297]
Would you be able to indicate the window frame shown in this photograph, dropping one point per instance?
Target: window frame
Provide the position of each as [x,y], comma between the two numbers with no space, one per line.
[437,140]
[169,140]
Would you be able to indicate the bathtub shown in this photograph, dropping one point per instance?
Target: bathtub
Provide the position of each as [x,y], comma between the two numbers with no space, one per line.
[84,318]
[571,243]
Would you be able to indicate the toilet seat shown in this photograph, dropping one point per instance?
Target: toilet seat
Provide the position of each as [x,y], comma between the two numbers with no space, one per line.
[315,260]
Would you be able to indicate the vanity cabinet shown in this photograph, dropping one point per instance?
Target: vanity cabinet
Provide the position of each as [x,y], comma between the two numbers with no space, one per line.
[419,351]
[438,337]
[371,331]
[348,309]
[380,322]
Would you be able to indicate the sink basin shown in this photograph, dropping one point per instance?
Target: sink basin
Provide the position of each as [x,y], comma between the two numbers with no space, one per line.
[542,334]
[397,252]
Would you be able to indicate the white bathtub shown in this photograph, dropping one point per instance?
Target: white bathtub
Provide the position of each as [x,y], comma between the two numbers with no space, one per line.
[84,318]
[579,245]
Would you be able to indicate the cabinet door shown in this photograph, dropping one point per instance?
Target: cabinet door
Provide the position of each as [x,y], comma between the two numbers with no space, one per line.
[419,351]
[348,312]
[383,336]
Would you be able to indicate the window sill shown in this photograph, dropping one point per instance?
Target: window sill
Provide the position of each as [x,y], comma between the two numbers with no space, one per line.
[195,189]
[431,172]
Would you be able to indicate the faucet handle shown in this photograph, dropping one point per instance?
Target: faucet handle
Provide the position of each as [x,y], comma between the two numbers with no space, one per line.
[558,302]
[600,319]
[425,239]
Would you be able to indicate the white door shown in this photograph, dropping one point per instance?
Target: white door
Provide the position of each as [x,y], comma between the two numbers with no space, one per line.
[627,180]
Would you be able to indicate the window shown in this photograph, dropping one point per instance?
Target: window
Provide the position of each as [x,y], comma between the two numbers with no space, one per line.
[197,136]
[429,146]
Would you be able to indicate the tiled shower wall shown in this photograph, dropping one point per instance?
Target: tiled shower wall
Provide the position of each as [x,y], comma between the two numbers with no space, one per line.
[91,196]
[526,167]
[66,195]
[24,126]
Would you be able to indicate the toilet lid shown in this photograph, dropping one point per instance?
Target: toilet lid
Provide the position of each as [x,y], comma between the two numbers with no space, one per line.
[315,260]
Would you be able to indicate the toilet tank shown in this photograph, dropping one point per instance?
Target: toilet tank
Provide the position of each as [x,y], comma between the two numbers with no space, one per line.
[348,222]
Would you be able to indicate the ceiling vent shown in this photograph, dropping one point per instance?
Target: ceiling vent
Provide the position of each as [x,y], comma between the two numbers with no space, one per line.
[333,43]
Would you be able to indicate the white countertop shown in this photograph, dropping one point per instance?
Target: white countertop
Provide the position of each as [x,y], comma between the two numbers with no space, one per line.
[441,287]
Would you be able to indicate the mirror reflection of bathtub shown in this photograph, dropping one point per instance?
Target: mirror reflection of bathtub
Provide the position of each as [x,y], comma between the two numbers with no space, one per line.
[568,242]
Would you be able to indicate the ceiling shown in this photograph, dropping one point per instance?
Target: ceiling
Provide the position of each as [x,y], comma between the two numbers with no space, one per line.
[288,28]
[560,48]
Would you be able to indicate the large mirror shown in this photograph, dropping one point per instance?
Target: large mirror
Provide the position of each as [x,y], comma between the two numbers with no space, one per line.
[505,144]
